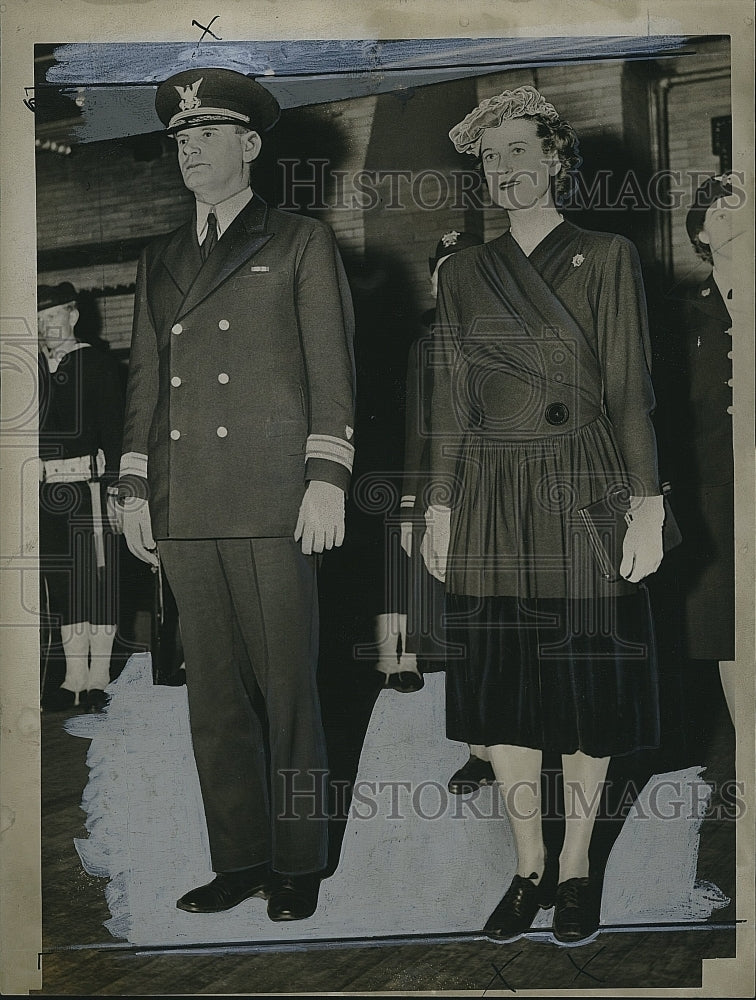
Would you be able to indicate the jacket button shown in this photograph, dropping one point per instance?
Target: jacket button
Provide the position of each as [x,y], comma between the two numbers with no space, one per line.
[223,324]
[177,328]
[223,378]
[175,381]
[730,409]
[729,354]
[222,432]
[729,381]
[175,435]
[557,413]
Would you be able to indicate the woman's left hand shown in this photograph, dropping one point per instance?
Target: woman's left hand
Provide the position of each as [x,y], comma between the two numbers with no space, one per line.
[643,550]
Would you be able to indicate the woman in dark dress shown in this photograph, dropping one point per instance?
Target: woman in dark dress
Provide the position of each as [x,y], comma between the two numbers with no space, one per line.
[541,405]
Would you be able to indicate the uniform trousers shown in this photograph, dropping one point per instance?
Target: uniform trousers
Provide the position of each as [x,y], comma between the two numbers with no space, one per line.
[248,613]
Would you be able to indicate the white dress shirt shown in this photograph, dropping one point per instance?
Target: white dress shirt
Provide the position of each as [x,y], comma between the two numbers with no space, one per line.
[225,212]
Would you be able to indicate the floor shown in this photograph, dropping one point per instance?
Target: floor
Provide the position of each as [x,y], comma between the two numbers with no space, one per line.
[81,958]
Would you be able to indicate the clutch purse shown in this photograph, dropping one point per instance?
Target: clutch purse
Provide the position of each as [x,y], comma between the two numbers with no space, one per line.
[605,525]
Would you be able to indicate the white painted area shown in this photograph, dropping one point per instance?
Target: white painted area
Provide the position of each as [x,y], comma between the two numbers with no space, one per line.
[401,871]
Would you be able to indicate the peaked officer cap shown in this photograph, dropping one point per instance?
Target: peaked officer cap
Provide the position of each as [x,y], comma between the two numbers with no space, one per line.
[49,296]
[210,96]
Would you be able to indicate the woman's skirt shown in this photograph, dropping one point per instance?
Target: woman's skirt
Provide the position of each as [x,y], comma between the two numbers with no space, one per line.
[546,653]
[552,673]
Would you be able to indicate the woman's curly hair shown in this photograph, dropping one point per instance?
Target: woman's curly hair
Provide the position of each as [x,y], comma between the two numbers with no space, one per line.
[556,135]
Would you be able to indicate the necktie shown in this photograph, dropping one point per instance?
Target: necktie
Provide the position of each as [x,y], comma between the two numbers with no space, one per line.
[211,237]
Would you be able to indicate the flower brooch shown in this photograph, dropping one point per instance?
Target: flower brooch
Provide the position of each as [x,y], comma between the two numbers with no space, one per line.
[577,260]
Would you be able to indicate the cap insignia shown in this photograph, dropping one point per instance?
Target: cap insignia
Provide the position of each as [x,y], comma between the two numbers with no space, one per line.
[189,100]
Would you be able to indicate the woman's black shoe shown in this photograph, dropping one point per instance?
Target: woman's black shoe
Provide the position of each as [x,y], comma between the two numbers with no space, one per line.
[576,912]
[473,773]
[61,700]
[405,681]
[96,700]
[516,911]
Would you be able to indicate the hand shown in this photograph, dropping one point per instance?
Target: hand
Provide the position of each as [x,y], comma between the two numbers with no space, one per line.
[642,550]
[115,513]
[320,524]
[137,530]
[407,507]
[434,547]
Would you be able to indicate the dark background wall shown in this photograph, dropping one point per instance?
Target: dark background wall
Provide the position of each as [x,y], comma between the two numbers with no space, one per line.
[97,206]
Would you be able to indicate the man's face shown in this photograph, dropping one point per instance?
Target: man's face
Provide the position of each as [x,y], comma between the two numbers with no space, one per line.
[723,223]
[213,160]
[55,326]
[517,170]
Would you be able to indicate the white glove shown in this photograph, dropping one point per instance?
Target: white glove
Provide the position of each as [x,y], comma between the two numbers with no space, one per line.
[642,550]
[406,508]
[434,547]
[137,530]
[114,512]
[320,524]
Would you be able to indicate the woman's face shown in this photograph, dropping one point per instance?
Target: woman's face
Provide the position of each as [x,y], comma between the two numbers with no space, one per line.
[518,172]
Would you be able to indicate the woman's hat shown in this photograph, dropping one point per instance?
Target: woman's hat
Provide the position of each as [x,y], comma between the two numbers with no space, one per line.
[209,96]
[450,243]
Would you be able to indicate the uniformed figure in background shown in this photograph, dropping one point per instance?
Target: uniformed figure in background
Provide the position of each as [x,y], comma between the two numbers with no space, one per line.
[80,423]
[239,416]
[425,630]
[699,431]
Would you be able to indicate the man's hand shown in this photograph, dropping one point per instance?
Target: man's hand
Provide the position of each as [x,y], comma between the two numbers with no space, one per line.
[320,524]
[137,529]
[114,512]
[642,549]
[434,547]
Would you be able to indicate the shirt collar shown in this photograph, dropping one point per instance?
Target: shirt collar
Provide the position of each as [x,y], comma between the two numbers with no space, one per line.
[53,360]
[225,212]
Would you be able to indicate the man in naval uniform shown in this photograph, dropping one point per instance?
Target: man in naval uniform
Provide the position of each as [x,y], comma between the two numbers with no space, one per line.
[238,430]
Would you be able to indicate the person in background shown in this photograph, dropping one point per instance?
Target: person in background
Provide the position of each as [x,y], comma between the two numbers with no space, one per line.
[80,426]
[237,456]
[425,628]
[541,406]
[699,430]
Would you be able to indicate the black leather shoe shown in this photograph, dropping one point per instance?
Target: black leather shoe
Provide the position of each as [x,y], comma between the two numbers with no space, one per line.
[405,681]
[516,911]
[577,911]
[294,897]
[61,700]
[473,773]
[520,903]
[96,700]
[227,890]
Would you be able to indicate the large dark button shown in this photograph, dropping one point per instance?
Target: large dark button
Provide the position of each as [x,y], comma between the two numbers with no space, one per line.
[557,413]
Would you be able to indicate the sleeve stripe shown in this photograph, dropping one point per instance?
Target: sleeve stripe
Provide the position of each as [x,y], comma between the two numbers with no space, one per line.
[133,463]
[331,448]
